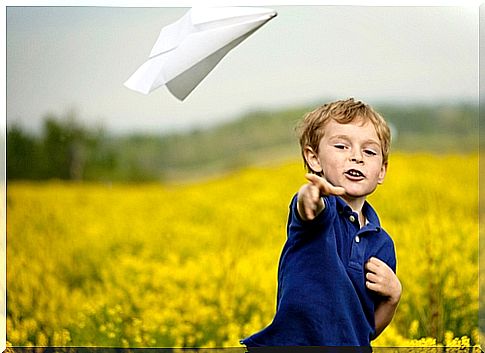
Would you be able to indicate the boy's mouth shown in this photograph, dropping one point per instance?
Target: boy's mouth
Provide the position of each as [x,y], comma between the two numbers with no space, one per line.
[355,174]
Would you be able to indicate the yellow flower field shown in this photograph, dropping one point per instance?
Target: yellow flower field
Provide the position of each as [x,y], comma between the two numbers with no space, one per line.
[194,265]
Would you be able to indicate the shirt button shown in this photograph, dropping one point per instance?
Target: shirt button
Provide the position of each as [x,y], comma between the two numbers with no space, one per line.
[357,239]
[352,218]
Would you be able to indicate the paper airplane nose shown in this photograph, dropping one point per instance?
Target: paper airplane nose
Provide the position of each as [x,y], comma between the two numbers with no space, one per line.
[187,50]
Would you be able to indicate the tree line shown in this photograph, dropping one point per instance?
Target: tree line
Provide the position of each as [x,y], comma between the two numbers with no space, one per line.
[67,150]
[63,150]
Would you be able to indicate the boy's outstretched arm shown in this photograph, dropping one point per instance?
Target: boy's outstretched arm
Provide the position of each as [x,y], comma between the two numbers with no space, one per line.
[310,203]
[381,279]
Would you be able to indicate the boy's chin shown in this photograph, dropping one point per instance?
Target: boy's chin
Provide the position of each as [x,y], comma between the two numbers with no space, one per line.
[352,196]
[355,194]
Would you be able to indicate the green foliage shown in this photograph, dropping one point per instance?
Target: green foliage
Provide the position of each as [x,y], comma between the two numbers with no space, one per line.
[64,150]
[453,119]
[441,128]
[67,150]
[23,155]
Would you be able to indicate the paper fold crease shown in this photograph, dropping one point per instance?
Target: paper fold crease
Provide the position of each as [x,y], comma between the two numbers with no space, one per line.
[187,50]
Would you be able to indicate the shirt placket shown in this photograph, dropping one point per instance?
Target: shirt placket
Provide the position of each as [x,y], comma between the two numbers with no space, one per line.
[357,251]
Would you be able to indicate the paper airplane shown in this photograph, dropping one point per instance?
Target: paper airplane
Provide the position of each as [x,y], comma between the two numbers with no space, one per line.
[187,50]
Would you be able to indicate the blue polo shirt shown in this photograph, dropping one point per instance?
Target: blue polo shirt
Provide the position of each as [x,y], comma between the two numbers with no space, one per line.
[322,299]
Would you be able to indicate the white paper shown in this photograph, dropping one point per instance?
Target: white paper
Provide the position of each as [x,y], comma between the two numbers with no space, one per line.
[188,49]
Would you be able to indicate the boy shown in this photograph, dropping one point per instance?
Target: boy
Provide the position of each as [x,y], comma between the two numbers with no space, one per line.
[336,277]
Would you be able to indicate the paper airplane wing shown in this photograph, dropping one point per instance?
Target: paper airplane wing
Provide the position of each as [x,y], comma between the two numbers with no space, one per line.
[187,50]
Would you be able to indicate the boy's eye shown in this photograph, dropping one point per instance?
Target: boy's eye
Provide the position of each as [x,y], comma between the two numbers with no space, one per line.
[340,146]
[370,152]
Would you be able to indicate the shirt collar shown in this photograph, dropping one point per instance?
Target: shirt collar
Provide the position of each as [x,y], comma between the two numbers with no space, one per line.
[370,214]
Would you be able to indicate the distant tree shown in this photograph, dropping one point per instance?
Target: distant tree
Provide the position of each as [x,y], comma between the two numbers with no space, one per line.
[22,154]
[101,159]
[65,150]
[64,143]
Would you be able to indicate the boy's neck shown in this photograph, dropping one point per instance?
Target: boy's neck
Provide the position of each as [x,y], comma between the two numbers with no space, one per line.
[356,204]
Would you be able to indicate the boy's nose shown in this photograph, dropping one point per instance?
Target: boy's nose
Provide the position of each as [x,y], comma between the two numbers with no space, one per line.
[356,159]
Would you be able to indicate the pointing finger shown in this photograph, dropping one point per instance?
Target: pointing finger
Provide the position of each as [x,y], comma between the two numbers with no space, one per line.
[324,186]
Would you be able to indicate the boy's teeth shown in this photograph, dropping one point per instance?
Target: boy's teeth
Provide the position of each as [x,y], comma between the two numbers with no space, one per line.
[354,173]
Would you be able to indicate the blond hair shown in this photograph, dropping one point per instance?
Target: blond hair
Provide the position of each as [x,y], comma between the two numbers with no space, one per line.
[312,127]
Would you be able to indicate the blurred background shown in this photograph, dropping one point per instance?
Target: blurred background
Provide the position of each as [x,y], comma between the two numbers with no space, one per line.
[70,117]
[142,221]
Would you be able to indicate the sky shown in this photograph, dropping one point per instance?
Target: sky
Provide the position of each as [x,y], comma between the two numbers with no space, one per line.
[62,59]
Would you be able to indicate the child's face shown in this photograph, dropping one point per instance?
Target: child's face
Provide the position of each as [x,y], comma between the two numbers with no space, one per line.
[350,156]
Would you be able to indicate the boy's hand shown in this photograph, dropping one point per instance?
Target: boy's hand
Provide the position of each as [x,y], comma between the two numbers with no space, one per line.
[310,203]
[381,279]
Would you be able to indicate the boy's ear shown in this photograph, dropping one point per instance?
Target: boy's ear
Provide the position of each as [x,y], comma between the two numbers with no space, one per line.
[312,160]
[382,173]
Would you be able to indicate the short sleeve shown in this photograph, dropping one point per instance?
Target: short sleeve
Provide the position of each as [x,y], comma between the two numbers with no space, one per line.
[387,253]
